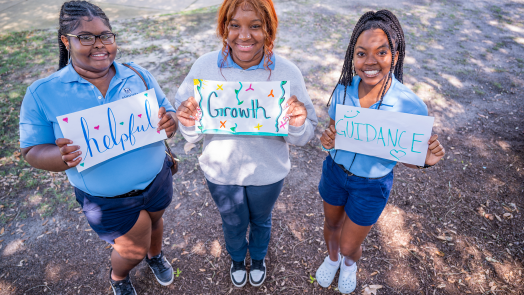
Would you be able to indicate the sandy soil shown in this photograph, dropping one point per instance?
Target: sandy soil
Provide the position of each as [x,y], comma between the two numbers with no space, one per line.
[453,229]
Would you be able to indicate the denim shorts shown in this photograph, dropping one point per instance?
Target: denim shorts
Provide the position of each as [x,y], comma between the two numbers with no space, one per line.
[363,199]
[111,218]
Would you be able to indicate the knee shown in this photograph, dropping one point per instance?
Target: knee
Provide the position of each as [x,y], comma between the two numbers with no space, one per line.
[332,224]
[134,252]
[350,249]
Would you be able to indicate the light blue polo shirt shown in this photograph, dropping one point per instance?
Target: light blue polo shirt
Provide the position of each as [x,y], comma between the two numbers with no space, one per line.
[65,92]
[398,98]
[229,63]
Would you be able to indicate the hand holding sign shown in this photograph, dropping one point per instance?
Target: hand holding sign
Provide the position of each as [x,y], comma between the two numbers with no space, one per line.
[435,151]
[70,153]
[389,135]
[297,112]
[187,112]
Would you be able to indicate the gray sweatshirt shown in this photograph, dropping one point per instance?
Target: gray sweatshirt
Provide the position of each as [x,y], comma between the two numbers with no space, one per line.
[244,159]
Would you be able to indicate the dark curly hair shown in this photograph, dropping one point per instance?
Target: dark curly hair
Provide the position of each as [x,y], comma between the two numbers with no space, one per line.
[70,15]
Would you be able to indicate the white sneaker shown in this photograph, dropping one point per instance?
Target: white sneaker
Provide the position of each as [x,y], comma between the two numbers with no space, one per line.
[327,271]
[238,273]
[257,273]
[347,279]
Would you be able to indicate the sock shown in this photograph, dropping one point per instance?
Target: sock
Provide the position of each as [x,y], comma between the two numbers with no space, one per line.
[351,268]
[334,263]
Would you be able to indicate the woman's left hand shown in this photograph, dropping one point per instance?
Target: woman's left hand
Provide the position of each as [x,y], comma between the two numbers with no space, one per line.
[297,112]
[167,122]
[435,151]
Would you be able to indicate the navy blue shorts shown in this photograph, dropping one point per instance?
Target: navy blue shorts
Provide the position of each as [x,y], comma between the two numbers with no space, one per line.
[111,218]
[363,199]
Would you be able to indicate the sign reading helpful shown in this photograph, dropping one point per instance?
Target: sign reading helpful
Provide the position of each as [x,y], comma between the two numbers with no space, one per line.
[390,135]
[106,131]
[242,108]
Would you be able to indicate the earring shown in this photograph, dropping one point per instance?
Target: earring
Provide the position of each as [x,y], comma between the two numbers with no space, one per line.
[68,55]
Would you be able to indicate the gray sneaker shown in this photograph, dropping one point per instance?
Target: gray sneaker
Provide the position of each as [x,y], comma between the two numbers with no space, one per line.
[257,273]
[123,287]
[238,273]
[162,269]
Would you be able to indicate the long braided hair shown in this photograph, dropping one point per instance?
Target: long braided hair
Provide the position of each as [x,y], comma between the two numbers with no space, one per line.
[70,15]
[387,22]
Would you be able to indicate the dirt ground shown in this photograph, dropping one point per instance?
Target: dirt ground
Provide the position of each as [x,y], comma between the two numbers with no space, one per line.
[456,228]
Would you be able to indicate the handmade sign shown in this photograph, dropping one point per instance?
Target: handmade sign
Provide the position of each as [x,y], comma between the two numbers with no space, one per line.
[109,130]
[242,108]
[389,135]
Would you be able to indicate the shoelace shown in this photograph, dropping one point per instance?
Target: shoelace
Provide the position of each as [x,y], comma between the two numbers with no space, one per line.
[124,286]
[238,265]
[257,264]
[158,263]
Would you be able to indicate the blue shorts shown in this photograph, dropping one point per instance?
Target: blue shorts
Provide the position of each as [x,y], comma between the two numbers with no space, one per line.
[363,199]
[111,218]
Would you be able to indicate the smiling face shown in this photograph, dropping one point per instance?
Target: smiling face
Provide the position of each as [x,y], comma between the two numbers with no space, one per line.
[93,58]
[372,56]
[246,37]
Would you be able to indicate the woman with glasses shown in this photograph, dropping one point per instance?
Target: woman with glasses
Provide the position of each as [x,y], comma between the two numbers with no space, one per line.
[245,174]
[123,198]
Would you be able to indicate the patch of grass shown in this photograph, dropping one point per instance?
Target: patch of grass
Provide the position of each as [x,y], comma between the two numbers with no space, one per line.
[497,85]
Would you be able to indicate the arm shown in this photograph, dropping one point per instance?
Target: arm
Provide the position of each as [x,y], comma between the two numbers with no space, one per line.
[56,158]
[303,119]
[186,114]
[435,152]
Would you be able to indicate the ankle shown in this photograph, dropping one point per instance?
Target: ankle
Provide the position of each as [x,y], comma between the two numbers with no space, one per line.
[117,278]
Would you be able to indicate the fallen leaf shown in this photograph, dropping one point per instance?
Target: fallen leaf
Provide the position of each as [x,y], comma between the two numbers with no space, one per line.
[507,215]
[440,253]
[371,289]
[88,229]
[492,260]
[498,218]
[441,286]
[373,273]
[184,253]
[108,246]
[2,231]
[178,206]
[188,147]
[202,269]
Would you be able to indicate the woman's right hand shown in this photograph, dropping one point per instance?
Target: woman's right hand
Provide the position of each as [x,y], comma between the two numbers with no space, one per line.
[187,112]
[69,152]
[328,137]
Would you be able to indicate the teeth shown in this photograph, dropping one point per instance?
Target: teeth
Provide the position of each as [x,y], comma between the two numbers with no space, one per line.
[371,73]
[242,46]
[99,55]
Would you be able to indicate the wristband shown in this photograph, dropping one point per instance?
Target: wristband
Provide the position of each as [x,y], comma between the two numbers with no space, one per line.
[425,166]
[325,149]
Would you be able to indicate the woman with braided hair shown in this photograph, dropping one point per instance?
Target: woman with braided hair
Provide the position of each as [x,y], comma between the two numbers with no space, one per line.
[355,187]
[122,198]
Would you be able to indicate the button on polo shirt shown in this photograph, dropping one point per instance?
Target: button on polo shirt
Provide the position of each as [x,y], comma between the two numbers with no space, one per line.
[398,98]
[66,92]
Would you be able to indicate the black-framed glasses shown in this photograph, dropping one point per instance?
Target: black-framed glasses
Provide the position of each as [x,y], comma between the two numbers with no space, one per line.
[89,39]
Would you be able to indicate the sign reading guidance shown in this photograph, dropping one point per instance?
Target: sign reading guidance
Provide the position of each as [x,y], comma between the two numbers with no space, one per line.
[390,135]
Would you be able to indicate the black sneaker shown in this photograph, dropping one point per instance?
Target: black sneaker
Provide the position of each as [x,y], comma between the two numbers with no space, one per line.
[162,269]
[238,273]
[123,287]
[257,273]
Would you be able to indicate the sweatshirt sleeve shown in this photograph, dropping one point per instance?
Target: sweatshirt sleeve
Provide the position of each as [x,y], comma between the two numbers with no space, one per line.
[183,93]
[302,134]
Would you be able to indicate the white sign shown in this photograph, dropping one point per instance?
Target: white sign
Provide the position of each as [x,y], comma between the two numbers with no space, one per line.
[390,135]
[106,131]
[242,108]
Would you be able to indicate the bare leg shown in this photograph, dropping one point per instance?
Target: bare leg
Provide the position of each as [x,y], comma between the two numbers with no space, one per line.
[333,222]
[157,231]
[131,248]
[351,240]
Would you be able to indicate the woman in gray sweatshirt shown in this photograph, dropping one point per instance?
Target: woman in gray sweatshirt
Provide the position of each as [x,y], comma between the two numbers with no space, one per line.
[245,173]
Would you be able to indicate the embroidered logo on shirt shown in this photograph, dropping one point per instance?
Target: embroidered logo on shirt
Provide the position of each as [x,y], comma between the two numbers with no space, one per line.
[127,90]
